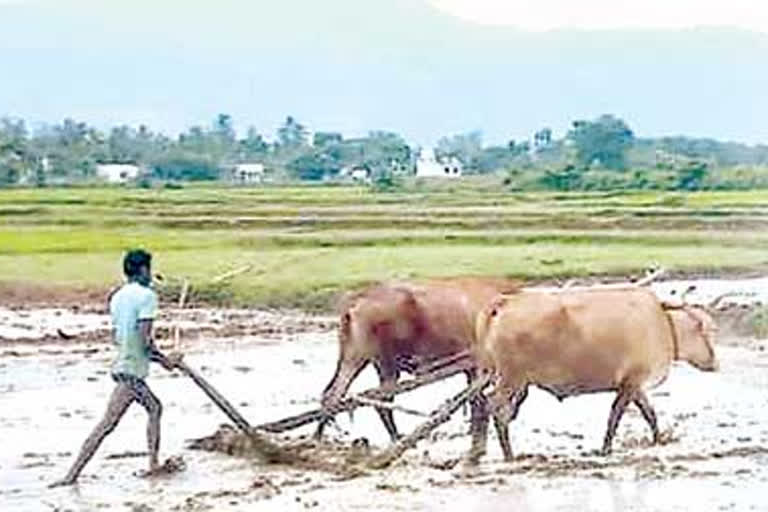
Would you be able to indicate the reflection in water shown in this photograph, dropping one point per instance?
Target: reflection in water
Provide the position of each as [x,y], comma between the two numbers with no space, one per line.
[578,495]
[628,495]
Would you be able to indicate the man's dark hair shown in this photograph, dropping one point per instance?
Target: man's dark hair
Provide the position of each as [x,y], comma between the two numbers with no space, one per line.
[134,260]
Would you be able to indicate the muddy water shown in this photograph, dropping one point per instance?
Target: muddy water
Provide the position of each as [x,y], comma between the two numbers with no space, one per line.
[716,457]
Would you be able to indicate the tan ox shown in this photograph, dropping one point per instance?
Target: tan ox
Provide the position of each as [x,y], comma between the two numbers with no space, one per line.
[571,343]
[400,326]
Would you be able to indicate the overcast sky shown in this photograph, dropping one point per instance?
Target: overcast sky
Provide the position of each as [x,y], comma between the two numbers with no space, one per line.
[540,15]
[423,68]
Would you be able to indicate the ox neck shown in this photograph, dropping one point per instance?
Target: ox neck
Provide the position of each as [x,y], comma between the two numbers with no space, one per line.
[675,341]
[675,346]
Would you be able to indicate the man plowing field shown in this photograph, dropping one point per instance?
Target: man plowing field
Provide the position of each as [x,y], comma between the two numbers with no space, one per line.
[133,308]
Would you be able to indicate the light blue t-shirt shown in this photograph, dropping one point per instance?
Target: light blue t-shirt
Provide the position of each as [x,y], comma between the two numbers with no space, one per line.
[133,302]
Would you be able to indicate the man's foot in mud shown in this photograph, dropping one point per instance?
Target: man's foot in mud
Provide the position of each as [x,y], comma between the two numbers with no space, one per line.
[467,469]
[64,482]
[472,459]
[595,452]
[148,473]
[171,465]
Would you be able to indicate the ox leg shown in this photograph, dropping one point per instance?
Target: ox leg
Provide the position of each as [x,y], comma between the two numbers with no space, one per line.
[388,377]
[347,369]
[478,423]
[321,427]
[505,406]
[617,411]
[326,420]
[501,422]
[479,431]
[501,419]
[478,405]
[517,402]
[641,401]
[464,405]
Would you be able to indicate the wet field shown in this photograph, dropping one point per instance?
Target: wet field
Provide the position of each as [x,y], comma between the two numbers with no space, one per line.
[270,365]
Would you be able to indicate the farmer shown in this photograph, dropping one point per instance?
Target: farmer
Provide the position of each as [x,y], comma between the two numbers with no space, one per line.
[133,308]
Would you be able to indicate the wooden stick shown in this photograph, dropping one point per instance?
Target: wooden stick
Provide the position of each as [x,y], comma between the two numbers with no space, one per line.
[269,450]
[445,361]
[612,286]
[216,397]
[651,277]
[232,273]
[177,327]
[438,417]
[350,403]
[388,405]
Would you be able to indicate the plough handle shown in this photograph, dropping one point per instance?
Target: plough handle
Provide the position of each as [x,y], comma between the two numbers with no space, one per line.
[216,397]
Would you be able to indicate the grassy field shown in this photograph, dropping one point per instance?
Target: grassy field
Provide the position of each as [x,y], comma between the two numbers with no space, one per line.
[307,244]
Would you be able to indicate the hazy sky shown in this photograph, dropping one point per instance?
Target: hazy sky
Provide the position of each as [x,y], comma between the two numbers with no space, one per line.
[423,68]
[611,14]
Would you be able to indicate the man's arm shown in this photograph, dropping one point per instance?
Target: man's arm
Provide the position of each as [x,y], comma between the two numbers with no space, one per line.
[147,314]
[145,331]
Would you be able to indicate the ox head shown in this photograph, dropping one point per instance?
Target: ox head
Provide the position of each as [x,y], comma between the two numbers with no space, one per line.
[695,332]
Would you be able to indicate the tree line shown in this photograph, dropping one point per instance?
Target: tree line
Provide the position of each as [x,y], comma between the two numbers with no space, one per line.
[597,153]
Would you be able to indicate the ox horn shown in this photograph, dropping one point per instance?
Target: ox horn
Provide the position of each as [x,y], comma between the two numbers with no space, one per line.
[653,273]
[687,292]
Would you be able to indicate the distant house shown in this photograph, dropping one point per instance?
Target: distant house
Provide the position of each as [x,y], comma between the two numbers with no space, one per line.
[117,173]
[356,173]
[428,165]
[248,173]
[360,174]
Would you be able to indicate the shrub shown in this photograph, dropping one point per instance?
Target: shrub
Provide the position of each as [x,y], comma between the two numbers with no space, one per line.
[185,168]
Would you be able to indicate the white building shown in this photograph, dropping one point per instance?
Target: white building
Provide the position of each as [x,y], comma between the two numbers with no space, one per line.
[360,174]
[248,173]
[356,173]
[117,173]
[429,166]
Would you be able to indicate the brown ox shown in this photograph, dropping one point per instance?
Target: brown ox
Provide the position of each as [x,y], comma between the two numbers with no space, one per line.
[400,326]
[570,343]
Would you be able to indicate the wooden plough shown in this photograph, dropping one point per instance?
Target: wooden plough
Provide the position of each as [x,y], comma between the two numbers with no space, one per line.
[439,370]
[269,450]
[273,452]
[436,371]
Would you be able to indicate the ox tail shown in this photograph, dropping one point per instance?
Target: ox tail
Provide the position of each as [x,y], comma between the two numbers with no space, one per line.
[483,324]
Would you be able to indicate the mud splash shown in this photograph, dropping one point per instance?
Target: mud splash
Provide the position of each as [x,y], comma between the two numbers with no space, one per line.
[344,460]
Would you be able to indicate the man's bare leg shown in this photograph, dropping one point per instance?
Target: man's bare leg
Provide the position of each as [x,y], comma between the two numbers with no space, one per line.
[118,403]
[154,408]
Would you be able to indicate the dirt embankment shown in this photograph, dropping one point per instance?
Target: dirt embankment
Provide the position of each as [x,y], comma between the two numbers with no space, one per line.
[59,328]
[37,315]
[21,294]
